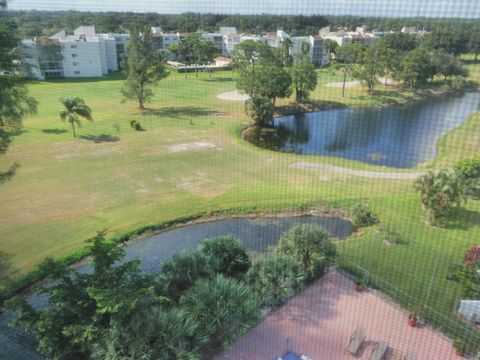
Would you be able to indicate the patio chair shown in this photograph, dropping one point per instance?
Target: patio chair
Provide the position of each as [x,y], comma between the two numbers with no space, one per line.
[356,340]
[410,356]
[379,351]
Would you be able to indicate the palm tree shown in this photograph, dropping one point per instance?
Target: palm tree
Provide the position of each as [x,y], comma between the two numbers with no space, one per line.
[74,109]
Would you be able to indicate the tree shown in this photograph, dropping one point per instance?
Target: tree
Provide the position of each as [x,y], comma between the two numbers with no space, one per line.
[474,42]
[208,51]
[223,308]
[146,66]
[151,333]
[350,54]
[452,41]
[81,306]
[227,256]
[304,79]
[287,44]
[261,110]
[439,192]
[75,108]
[180,272]
[469,170]
[447,65]
[309,245]
[372,64]
[330,47]
[416,67]
[274,279]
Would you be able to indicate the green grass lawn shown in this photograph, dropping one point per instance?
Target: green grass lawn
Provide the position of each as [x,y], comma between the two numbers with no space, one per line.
[190,160]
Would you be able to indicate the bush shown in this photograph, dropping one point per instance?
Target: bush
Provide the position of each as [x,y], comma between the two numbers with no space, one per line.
[274,279]
[310,246]
[439,192]
[227,256]
[223,308]
[363,216]
[470,170]
[261,110]
[390,233]
[180,272]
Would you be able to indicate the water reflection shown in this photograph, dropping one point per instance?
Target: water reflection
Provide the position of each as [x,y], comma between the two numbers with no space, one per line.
[395,136]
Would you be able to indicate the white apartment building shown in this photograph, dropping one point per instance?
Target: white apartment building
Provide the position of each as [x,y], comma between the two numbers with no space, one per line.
[83,54]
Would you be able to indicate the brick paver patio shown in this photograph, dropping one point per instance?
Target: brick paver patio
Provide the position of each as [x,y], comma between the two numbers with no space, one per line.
[320,321]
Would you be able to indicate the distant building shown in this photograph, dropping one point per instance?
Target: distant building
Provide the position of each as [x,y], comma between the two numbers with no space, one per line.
[83,54]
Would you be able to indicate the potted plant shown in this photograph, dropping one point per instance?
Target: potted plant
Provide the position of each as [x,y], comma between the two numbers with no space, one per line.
[459,346]
[412,320]
[359,285]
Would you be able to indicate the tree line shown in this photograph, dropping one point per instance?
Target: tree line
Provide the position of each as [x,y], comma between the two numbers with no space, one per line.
[38,23]
[198,304]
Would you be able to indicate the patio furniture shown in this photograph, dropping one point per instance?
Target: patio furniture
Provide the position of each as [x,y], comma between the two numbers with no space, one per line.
[397,355]
[410,356]
[356,341]
[379,351]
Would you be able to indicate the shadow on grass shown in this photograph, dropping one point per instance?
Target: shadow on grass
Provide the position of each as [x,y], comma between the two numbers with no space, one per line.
[461,218]
[218,79]
[6,136]
[100,138]
[177,112]
[54,131]
[6,268]
[308,106]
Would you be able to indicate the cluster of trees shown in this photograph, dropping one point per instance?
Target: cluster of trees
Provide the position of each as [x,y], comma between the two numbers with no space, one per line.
[197,304]
[194,49]
[441,191]
[38,23]
[266,73]
[402,57]
[15,101]
[468,274]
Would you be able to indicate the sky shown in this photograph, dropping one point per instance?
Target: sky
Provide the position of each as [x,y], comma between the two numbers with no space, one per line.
[395,8]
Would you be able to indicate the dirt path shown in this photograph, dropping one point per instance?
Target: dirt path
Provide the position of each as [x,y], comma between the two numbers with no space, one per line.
[348,84]
[364,173]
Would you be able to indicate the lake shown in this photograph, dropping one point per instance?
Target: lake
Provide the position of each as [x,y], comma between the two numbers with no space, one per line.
[396,136]
[257,234]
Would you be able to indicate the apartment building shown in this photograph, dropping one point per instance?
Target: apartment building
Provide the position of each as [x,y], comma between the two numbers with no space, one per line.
[83,54]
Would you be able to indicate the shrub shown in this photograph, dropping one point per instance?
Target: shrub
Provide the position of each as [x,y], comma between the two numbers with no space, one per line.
[469,169]
[309,245]
[439,192]
[227,256]
[223,308]
[363,216]
[180,272]
[261,110]
[390,233]
[274,279]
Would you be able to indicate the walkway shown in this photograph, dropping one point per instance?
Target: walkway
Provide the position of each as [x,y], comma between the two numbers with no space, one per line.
[319,322]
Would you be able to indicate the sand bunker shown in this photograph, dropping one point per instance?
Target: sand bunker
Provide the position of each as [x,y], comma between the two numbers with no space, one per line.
[233,96]
[348,84]
[190,147]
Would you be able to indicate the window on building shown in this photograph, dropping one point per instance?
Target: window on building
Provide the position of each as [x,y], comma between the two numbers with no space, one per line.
[74,55]
[75,64]
[77,72]
[73,46]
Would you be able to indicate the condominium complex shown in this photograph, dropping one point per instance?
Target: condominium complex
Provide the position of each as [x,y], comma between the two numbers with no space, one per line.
[83,54]
[88,54]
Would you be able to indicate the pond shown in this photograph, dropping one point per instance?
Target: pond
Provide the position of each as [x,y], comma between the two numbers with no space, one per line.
[397,136]
[258,235]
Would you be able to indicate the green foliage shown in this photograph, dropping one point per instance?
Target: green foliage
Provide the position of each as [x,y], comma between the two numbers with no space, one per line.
[274,279]
[152,333]
[401,42]
[451,41]
[469,170]
[304,79]
[310,246]
[136,125]
[439,192]
[390,233]
[82,305]
[75,108]
[447,65]
[416,67]
[362,216]
[372,64]
[146,66]
[227,255]
[223,308]
[180,272]
[468,276]
[261,110]
[459,345]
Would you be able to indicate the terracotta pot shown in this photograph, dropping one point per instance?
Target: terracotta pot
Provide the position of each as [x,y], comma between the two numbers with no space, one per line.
[460,353]
[412,322]
[359,287]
